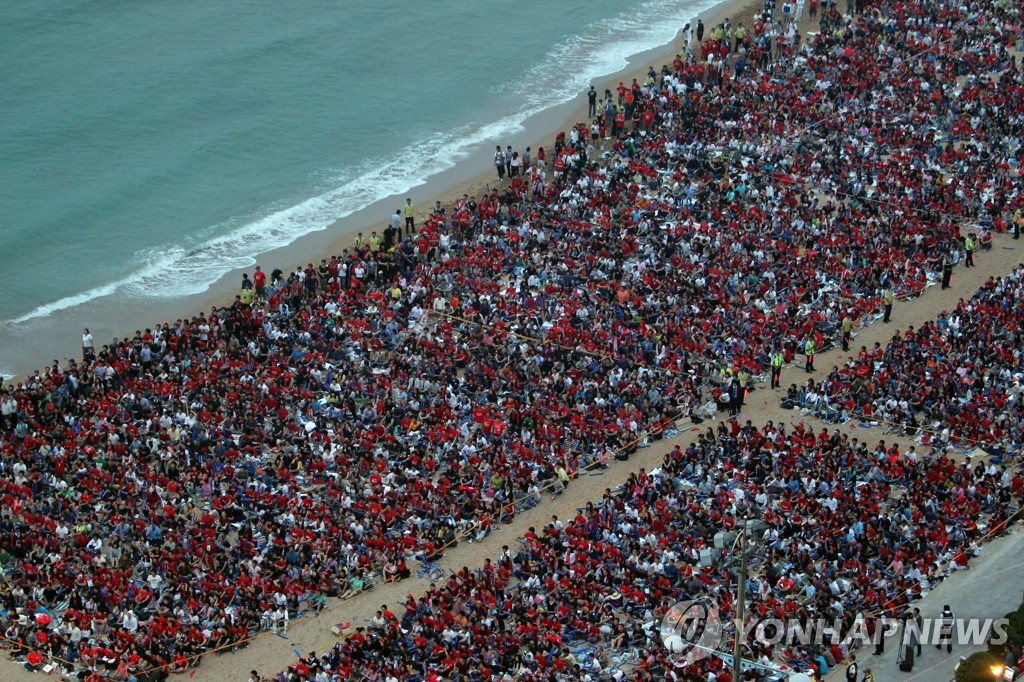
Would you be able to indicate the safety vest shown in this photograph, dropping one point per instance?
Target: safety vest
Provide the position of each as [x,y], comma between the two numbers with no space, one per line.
[809,347]
[777,360]
[887,297]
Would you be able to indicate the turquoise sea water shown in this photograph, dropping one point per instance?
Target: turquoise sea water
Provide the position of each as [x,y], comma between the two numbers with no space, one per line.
[148,148]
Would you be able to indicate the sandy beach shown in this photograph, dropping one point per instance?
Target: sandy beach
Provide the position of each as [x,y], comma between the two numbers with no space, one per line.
[472,176]
[269,652]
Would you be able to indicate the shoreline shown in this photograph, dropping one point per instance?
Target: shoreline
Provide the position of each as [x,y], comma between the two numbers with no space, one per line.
[469,175]
[312,633]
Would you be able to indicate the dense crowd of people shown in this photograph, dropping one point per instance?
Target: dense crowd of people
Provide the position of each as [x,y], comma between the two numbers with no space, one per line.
[850,532]
[955,380]
[174,492]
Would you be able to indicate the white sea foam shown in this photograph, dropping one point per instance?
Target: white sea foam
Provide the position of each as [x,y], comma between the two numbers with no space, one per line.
[179,271]
[605,47]
[559,76]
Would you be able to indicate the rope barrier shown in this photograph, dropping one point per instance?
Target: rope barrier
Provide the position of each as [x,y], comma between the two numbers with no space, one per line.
[988,537]
[754,379]
[544,489]
[638,440]
[634,443]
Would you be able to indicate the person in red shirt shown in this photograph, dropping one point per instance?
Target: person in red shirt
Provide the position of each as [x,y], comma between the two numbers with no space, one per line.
[259,280]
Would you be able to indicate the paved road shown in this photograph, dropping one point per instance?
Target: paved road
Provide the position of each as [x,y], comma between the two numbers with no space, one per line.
[992,587]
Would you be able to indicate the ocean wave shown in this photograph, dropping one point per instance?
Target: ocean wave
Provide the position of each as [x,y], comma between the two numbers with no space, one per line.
[177,271]
[559,76]
[603,48]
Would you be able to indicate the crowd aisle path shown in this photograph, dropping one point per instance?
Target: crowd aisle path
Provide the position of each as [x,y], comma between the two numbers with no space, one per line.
[271,653]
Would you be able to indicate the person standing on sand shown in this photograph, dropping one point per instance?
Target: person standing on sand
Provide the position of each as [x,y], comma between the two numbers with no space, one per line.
[887,300]
[700,31]
[777,360]
[259,281]
[947,270]
[499,163]
[592,103]
[798,16]
[88,348]
[410,213]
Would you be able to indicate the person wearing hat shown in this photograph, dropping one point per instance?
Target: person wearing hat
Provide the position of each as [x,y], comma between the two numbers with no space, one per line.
[946,629]
[130,622]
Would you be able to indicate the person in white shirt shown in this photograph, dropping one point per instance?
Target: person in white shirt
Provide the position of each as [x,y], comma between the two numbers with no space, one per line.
[154,581]
[280,618]
[9,410]
[130,622]
[87,344]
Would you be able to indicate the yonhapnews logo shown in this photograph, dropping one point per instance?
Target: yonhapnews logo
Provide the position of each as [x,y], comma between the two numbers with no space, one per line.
[691,631]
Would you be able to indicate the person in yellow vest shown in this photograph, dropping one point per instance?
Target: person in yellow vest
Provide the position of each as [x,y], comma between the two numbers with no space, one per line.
[887,300]
[744,377]
[969,250]
[410,211]
[847,331]
[809,351]
[1018,218]
[777,360]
